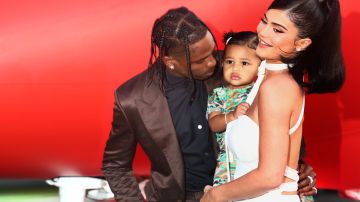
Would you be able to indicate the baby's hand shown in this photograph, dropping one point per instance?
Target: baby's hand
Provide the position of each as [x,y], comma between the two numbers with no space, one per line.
[241,109]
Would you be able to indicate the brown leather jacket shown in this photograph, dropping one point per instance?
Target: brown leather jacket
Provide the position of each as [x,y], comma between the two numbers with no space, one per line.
[141,115]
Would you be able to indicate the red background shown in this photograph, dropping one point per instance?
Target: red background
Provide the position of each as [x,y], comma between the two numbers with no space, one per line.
[61,60]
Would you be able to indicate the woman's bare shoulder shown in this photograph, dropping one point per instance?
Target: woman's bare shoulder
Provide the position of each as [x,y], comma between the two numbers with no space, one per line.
[279,89]
[280,84]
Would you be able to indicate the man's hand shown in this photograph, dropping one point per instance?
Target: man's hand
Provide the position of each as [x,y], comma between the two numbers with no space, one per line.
[142,185]
[307,181]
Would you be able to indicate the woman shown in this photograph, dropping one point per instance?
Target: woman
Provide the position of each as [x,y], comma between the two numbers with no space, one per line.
[296,38]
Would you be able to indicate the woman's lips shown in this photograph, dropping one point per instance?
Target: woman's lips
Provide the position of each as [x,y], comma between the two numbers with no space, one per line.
[263,44]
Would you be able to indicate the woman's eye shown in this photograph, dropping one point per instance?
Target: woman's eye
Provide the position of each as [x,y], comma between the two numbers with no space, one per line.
[263,20]
[278,30]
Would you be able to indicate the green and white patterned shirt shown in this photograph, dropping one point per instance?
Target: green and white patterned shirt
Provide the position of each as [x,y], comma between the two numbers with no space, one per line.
[224,100]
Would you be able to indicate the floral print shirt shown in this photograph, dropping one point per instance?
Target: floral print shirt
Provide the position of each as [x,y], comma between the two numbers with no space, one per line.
[224,100]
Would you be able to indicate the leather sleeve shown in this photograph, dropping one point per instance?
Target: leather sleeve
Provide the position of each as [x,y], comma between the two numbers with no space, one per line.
[118,157]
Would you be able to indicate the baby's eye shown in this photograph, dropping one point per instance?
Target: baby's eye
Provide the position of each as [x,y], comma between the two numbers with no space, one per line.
[245,63]
[229,62]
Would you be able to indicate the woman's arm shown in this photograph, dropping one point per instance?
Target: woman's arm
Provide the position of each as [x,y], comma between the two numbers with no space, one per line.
[274,108]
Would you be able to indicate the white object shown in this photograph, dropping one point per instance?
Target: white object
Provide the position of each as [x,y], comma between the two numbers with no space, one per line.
[311,179]
[73,189]
[353,194]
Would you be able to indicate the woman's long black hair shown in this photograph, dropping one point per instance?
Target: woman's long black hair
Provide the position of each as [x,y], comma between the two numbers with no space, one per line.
[322,61]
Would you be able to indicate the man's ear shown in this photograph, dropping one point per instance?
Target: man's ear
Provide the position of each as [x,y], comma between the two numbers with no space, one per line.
[167,60]
[302,44]
[170,62]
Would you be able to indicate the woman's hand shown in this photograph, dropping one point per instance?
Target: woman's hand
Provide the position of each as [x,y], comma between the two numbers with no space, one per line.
[207,188]
[208,196]
[211,195]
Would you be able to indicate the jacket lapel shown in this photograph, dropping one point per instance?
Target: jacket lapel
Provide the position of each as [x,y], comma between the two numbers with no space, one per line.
[154,111]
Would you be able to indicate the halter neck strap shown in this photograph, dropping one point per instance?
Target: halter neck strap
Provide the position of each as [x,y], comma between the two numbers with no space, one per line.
[261,73]
[276,67]
[254,90]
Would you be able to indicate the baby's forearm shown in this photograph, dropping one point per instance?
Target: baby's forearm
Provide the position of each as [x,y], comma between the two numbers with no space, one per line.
[218,122]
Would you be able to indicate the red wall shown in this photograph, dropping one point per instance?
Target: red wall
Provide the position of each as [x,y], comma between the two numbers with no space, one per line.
[61,60]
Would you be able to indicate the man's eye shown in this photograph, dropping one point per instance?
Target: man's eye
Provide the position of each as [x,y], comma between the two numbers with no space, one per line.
[199,62]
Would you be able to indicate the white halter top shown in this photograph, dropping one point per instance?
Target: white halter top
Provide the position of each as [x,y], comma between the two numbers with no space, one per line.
[242,136]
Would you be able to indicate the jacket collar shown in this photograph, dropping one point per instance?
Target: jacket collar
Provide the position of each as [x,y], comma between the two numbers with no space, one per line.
[154,111]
